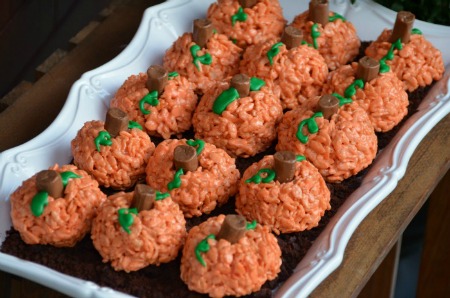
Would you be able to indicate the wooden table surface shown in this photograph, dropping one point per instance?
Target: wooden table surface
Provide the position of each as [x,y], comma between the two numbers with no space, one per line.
[32,112]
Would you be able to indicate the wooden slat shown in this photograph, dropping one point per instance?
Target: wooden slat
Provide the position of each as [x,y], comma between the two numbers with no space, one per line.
[381,229]
[50,93]
[14,94]
[382,282]
[82,34]
[434,275]
[50,62]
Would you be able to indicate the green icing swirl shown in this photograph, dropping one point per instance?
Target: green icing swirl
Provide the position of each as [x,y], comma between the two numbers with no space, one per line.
[342,100]
[38,203]
[103,138]
[256,84]
[335,17]
[126,219]
[224,99]
[161,195]
[274,50]
[151,99]
[240,16]
[314,35]
[312,126]
[200,144]
[300,158]
[351,90]
[176,182]
[257,178]
[172,75]
[390,55]
[203,247]
[134,124]
[65,176]
[416,31]
[251,225]
[206,59]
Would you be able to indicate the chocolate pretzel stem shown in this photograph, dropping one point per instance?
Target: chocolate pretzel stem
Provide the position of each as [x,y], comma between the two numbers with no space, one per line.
[233,228]
[402,27]
[203,30]
[318,11]
[157,78]
[50,181]
[144,197]
[185,157]
[368,69]
[116,121]
[328,105]
[241,83]
[292,37]
[284,166]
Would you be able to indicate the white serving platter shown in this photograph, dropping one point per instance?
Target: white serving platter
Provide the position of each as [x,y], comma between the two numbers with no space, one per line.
[160,26]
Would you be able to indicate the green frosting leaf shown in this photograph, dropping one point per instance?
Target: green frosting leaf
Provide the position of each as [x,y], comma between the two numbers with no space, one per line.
[312,126]
[224,99]
[103,138]
[151,99]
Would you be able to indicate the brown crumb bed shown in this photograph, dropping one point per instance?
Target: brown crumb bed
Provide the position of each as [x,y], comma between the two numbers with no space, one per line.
[85,262]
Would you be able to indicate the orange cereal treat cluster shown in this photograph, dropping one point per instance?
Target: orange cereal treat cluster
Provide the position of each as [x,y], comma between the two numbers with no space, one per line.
[247,22]
[239,117]
[198,176]
[56,206]
[227,256]
[381,95]
[284,192]
[404,50]
[204,57]
[328,32]
[161,102]
[338,139]
[114,154]
[140,228]
[296,70]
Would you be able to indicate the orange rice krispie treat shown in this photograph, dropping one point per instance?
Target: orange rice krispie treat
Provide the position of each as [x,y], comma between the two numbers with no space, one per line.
[414,60]
[227,256]
[56,206]
[339,141]
[197,175]
[297,71]
[204,57]
[240,117]
[381,95]
[330,33]
[140,228]
[247,22]
[113,152]
[283,191]
[161,102]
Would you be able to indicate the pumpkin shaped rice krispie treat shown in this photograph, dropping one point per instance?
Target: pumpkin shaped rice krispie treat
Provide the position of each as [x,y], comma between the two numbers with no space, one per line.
[114,152]
[380,94]
[198,175]
[226,256]
[140,228]
[336,137]
[240,117]
[404,50]
[247,22]
[56,206]
[296,71]
[330,33]
[161,102]
[284,192]
[204,56]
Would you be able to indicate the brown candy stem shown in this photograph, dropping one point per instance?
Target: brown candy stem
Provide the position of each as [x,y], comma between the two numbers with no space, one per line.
[402,27]
[144,197]
[247,3]
[233,228]
[241,83]
[328,105]
[318,11]
[185,157]
[368,69]
[157,78]
[284,166]
[116,121]
[51,182]
[292,37]
[203,30]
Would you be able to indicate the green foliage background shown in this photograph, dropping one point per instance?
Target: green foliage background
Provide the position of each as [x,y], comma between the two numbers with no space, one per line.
[433,11]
